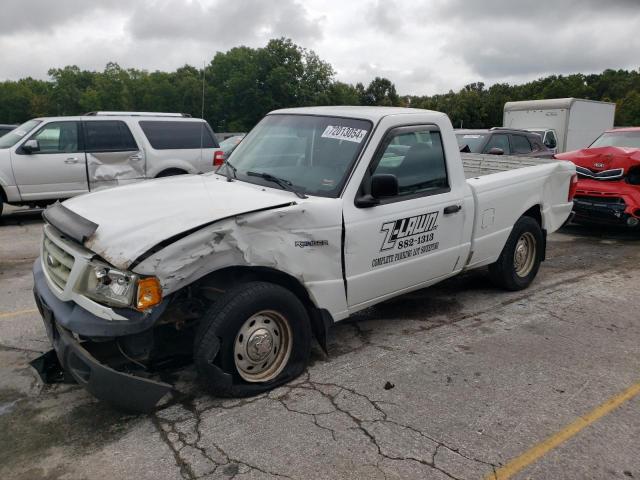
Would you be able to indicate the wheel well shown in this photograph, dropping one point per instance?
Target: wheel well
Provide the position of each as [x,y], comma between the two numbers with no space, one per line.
[535,213]
[222,280]
[171,171]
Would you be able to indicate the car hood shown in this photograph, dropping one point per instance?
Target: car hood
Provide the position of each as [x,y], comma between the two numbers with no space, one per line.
[133,219]
[603,158]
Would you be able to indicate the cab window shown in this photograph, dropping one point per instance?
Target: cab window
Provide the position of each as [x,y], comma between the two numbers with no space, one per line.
[416,159]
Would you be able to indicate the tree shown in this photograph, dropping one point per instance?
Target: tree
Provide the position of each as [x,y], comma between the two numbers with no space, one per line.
[380,92]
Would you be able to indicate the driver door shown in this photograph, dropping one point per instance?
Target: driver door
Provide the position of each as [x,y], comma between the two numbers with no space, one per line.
[413,237]
[57,169]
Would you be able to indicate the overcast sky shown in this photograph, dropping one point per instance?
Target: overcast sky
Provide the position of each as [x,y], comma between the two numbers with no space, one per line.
[425,47]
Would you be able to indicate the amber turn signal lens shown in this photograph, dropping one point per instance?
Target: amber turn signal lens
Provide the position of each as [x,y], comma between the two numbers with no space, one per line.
[149,293]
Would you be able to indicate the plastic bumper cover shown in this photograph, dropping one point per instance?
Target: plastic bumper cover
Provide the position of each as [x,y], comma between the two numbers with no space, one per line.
[122,390]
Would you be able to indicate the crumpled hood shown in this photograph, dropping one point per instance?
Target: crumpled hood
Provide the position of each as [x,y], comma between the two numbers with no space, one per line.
[603,158]
[134,218]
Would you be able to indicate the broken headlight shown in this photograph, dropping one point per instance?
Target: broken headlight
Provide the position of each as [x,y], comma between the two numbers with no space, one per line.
[109,285]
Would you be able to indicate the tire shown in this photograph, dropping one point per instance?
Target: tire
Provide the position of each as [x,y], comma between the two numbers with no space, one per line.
[171,172]
[515,271]
[230,353]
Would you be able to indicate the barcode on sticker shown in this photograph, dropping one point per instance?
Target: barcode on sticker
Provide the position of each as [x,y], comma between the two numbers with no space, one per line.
[344,133]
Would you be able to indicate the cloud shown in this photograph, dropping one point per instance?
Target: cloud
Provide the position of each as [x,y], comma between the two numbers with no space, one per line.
[500,48]
[223,23]
[45,16]
[423,46]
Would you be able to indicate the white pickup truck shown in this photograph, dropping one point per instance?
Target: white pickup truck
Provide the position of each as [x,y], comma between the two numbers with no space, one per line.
[319,212]
[51,158]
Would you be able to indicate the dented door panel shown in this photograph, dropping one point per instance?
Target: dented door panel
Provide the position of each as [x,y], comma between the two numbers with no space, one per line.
[110,169]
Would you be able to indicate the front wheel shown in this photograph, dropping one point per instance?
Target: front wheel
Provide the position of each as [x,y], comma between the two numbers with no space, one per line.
[256,337]
[521,256]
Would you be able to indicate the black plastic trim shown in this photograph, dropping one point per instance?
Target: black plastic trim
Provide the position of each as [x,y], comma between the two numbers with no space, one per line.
[69,222]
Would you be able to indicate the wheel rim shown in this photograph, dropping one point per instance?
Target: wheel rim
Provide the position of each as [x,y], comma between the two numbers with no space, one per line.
[263,346]
[524,256]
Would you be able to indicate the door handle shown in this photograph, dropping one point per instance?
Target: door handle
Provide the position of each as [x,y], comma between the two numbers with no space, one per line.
[135,157]
[452,209]
[71,160]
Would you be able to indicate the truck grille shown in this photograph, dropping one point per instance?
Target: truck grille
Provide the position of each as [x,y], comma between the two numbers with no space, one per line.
[57,263]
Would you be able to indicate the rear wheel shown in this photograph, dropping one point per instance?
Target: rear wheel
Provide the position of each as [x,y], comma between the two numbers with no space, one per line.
[520,259]
[256,337]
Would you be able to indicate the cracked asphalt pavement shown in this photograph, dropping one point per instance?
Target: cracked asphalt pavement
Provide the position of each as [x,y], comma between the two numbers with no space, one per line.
[452,381]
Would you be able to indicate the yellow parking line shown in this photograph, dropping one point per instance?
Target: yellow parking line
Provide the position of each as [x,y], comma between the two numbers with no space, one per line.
[542,448]
[18,312]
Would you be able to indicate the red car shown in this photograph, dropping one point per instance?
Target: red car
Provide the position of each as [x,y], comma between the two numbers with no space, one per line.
[608,189]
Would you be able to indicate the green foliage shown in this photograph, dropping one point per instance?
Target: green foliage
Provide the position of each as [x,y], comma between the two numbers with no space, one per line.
[243,84]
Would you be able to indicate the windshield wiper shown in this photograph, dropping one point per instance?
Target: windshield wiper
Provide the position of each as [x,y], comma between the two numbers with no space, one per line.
[285,184]
[228,166]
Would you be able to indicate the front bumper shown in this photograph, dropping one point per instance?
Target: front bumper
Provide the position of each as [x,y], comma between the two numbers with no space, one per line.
[122,390]
[607,202]
[600,210]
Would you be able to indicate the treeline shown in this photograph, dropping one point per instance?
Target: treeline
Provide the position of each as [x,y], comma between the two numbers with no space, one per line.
[244,83]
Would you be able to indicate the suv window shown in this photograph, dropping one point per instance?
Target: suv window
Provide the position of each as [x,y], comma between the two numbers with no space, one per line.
[180,135]
[520,144]
[498,140]
[108,136]
[420,167]
[57,137]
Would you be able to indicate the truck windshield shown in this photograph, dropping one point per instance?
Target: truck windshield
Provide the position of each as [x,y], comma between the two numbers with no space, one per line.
[474,141]
[14,136]
[618,139]
[312,154]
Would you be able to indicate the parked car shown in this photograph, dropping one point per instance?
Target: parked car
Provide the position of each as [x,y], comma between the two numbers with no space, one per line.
[502,141]
[564,123]
[46,159]
[608,190]
[5,128]
[239,268]
[228,145]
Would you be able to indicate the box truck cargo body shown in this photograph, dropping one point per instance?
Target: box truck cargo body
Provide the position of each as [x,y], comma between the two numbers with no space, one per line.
[570,123]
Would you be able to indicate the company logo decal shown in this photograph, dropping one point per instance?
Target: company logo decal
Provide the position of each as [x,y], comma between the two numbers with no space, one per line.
[410,237]
[407,227]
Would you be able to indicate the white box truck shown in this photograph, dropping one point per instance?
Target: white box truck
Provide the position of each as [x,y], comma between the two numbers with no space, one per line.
[565,124]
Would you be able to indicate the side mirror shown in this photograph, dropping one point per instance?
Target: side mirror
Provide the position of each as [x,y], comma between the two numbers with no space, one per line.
[31,146]
[382,185]
[495,151]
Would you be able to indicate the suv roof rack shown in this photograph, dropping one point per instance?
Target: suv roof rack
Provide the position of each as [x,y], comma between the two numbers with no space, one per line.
[510,129]
[136,114]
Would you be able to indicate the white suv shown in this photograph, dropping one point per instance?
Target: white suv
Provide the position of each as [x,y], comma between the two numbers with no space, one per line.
[46,159]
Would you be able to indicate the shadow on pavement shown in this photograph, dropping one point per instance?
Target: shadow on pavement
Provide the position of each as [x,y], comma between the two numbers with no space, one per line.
[21,217]
[602,232]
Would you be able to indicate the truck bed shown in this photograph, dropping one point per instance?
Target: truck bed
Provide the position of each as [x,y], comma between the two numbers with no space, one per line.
[477,165]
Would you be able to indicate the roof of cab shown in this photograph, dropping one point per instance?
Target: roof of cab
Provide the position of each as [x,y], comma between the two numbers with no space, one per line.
[367,113]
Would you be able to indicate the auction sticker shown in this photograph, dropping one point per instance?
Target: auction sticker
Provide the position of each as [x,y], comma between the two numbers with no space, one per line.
[344,133]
